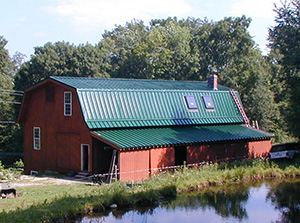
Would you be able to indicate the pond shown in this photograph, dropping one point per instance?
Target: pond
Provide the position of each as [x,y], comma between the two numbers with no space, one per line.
[258,202]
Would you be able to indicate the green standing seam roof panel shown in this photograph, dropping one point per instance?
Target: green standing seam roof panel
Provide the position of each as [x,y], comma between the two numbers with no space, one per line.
[172,136]
[119,83]
[118,103]
[138,108]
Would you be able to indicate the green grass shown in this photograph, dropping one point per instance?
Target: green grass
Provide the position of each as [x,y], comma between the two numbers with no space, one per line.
[50,203]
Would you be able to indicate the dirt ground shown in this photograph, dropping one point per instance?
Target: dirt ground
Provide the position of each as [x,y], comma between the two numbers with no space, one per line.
[26,180]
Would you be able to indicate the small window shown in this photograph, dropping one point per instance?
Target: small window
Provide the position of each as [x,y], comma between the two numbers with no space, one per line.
[208,101]
[191,102]
[37,138]
[68,103]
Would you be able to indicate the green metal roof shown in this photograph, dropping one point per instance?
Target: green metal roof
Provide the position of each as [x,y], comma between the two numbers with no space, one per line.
[119,83]
[118,103]
[138,108]
[182,135]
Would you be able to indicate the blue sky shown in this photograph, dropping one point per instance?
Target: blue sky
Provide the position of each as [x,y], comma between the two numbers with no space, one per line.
[30,23]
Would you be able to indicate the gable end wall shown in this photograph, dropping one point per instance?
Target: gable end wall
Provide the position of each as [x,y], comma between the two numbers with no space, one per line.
[61,137]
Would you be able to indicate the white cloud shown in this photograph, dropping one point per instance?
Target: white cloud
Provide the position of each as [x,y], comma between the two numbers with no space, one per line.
[106,13]
[253,8]
[39,34]
[21,21]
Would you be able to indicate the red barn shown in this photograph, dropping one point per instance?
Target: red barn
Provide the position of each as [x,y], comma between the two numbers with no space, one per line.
[89,124]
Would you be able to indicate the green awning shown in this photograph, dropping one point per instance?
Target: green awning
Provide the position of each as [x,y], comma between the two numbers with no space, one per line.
[182,135]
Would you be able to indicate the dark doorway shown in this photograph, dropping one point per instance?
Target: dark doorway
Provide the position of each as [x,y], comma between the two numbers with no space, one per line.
[85,157]
[180,155]
[102,155]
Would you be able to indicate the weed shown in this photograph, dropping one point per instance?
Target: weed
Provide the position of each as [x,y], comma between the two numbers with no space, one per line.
[52,203]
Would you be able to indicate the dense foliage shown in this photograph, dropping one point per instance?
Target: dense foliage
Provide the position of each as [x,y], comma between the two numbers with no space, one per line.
[61,59]
[186,49]
[6,86]
[284,41]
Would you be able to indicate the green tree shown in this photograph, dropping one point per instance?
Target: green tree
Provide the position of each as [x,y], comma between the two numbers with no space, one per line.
[61,59]
[6,88]
[118,45]
[220,44]
[280,86]
[284,40]
[165,51]
[285,35]
[251,76]
[172,49]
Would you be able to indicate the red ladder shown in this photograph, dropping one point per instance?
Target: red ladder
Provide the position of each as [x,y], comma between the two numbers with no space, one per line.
[240,107]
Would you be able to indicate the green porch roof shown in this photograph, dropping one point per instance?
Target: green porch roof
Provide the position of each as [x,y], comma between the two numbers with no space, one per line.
[182,135]
[118,103]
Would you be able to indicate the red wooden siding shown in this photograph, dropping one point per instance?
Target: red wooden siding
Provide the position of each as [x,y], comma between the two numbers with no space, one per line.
[132,162]
[161,157]
[134,165]
[212,152]
[260,148]
[138,164]
[223,151]
[61,137]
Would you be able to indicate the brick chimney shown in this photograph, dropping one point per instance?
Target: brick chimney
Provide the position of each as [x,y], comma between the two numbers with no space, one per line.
[212,81]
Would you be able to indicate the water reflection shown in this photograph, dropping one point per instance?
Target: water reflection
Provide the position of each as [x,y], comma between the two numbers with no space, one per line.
[286,198]
[260,202]
[227,202]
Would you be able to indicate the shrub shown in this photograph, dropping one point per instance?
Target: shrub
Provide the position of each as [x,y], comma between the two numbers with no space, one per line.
[8,174]
[19,164]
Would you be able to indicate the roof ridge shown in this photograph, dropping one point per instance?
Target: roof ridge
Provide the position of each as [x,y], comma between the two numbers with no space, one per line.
[148,90]
[124,79]
[129,83]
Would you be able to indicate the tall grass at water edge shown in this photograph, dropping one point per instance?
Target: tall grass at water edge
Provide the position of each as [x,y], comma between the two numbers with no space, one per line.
[54,203]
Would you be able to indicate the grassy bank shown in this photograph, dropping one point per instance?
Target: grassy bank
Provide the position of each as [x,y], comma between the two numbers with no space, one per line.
[48,203]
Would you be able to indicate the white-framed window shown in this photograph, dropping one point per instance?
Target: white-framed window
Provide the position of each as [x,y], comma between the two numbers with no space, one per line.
[37,138]
[68,103]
